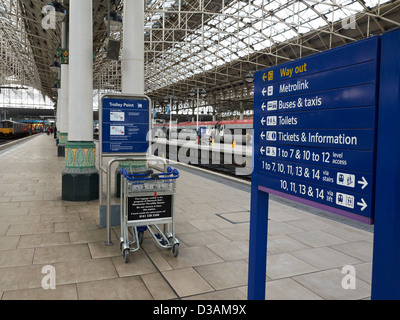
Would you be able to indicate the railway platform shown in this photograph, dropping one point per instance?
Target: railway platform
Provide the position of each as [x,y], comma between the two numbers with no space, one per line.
[228,155]
[307,249]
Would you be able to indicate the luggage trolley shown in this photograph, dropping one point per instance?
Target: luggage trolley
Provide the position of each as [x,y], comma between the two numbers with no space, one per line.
[147,201]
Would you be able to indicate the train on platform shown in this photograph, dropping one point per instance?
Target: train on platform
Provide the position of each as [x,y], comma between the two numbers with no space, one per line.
[12,129]
[240,131]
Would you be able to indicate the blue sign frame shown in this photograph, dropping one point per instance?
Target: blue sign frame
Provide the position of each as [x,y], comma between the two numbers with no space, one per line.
[317,116]
[386,252]
[125,123]
[315,133]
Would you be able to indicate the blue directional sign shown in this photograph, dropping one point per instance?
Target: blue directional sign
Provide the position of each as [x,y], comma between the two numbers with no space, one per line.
[125,124]
[315,129]
[316,138]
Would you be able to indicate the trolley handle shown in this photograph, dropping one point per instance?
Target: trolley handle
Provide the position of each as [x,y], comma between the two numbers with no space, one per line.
[169,171]
[175,176]
[145,176]
[139,174]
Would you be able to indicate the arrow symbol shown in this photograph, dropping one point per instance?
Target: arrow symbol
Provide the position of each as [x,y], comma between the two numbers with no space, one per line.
[263,106]
[262,150]
[263,91]
[262,135]
[264,77]
[263,121]
[363,182]
[362,204]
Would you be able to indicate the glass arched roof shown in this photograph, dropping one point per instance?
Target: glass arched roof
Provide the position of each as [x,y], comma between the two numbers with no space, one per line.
[211,44]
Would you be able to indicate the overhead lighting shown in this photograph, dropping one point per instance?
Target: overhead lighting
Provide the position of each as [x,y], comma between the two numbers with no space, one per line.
[59,9]
[115,22]
[203,92]
[249,77]
[55,66]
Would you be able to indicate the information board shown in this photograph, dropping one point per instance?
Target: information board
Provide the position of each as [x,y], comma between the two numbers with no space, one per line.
[315,129]
[125,124]
[144,208]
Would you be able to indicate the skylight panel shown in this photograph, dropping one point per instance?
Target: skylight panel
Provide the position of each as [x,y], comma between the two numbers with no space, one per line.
[262,45]
[324,8]
[308,15]
[279,27]
[279,38]
[317,23]
[355,7]
[303,28]
[373,3]
[230,10]
[271,5]
[340,14]
[289,34]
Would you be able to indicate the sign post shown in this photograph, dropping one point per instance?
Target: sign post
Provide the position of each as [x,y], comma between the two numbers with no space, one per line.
[386,260]
[314,140]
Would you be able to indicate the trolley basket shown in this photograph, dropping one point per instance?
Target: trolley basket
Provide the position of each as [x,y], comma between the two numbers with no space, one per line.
[147,202]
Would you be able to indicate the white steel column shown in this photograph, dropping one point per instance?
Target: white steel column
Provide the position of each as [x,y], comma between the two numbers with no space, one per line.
[133,48]
[58,111]
[63,125]
[132,61]
[80,124]
[80,179]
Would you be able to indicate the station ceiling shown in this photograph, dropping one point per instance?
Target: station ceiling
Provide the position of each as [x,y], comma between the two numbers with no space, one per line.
[210,44]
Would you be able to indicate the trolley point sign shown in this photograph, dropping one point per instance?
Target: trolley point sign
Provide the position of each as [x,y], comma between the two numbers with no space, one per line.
[327,134]
[314,127]
[125,123]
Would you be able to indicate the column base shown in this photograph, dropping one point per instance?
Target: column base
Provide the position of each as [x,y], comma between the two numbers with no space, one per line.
[62,140]
[80,184]
[61,150]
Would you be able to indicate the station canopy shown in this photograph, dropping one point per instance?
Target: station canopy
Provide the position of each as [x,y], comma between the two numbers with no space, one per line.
[189,44]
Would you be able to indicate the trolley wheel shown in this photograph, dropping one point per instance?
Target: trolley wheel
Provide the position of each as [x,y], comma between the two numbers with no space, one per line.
[175,249]
[126,255]
[141,236]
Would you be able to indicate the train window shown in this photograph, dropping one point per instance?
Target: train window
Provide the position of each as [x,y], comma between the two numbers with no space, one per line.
[1,124]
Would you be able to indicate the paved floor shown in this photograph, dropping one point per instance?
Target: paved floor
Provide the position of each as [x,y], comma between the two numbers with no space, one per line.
[306,252]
